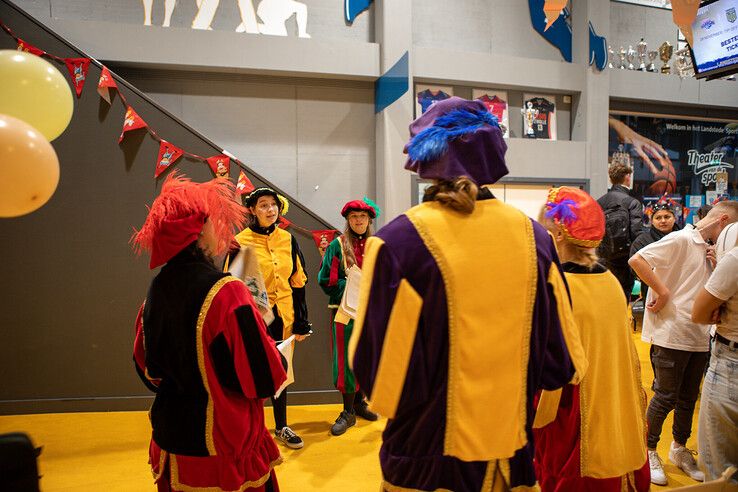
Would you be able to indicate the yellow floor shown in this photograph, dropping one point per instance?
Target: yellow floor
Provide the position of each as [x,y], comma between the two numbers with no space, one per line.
[107,451]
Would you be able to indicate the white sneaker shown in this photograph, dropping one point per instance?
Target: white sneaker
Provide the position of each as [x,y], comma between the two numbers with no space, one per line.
[684,459]
[658,476]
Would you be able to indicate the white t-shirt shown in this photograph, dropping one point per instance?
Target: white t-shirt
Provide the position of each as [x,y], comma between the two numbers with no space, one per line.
[723,284]
[680,261]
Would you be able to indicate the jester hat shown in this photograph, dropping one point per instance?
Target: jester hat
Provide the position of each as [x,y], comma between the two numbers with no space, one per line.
[578,214]
[178,214]
[454,138]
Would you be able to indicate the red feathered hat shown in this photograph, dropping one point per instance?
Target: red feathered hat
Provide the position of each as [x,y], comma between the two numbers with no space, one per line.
[358,206]
[179,212]
[578,214]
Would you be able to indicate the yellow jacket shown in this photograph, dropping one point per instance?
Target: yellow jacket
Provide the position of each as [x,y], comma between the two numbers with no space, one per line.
[282,266]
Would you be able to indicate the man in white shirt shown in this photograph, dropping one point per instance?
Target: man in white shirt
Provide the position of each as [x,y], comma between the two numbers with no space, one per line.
[718,302]
[675,268]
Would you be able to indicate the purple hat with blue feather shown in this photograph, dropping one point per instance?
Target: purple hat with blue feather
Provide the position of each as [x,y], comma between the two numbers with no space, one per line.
[454,138]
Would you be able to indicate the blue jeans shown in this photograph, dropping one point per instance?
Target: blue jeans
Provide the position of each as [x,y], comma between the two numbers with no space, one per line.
[717,435]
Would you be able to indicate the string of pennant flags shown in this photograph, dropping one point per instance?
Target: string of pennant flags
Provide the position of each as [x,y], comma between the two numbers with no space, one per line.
[169,153]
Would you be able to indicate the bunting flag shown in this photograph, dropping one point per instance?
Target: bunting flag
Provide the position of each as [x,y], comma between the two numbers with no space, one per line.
[131,122]
[29,48]
[168,155]
[284,222]
[106,83]
[244,184]
[220,165]
[78,71]
[323,239]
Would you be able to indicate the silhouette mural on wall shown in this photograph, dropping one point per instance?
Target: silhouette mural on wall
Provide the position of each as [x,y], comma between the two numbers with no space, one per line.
[269,17]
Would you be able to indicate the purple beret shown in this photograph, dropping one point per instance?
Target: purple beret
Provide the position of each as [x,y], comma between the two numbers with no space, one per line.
[456,137]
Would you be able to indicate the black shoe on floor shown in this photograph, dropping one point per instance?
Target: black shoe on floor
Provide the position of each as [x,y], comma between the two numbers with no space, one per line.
[362,410]
[288,437]
[343,422]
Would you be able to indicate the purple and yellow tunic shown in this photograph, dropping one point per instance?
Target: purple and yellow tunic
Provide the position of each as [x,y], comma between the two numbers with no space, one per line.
[463,318]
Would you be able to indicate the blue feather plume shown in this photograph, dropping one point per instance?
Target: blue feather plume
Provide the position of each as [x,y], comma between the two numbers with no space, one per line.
[562,211]
[432,142]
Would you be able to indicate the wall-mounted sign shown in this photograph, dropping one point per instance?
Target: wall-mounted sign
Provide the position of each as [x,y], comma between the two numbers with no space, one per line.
[699,158]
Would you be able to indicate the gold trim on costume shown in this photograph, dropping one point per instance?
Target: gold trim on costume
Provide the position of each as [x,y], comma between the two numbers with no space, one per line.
[528,326]
[209,440]
[246,485]
[162,464]
[579,242]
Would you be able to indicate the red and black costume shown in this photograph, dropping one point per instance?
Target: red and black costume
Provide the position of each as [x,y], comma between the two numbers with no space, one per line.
[201,345]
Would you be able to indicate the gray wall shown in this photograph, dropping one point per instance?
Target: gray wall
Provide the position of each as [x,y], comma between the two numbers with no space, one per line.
[486,26]
[325,17]
[71,284]
[313,138]
[629,23]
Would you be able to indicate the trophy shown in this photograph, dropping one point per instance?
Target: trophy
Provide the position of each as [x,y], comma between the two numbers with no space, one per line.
[684,63]
[651,65]
[665,52]
[642,50]
[529,114]
[631,55]
[622,55]
[610,56]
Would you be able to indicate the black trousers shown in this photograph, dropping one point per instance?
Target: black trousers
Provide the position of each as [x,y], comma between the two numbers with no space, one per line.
[279,405]
[676,386]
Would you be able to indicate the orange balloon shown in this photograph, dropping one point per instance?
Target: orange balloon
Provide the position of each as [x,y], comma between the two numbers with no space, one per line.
[29,168]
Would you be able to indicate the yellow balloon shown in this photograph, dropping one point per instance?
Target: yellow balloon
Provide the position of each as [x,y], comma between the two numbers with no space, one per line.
[29,168]
[33,90]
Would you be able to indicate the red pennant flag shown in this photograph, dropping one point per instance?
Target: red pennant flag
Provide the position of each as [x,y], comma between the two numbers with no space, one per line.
[284,223]
[168,154]
[78,71]
[29,48]
[106,83]
[323,239]
[220,165]
[132,122]
[244,184]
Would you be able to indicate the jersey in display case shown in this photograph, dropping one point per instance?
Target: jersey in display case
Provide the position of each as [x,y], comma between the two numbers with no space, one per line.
[426,95]
[496,103]
[539,116]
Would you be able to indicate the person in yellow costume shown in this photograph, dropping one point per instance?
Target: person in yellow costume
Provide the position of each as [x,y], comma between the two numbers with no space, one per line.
[591,436]
[282,265]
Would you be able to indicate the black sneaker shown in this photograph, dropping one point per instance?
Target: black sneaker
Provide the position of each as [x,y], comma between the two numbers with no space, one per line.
[343,422]
[287,437]
[362,410]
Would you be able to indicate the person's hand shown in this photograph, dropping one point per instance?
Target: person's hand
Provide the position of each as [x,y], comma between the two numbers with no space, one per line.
[716,317]
[644,147]
[300,338]
[657,304]
[711,257]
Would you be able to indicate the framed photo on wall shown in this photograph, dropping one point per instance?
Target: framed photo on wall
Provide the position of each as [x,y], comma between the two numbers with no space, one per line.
[425,95]
[539,116]
[496,102]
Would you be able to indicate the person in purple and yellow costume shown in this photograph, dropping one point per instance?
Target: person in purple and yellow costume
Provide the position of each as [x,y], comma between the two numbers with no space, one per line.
[463,316]
[343,253]
[577,445]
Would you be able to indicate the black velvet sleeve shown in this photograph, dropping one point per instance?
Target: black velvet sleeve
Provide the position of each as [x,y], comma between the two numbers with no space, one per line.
[222,359]
[255,351]
[301,324]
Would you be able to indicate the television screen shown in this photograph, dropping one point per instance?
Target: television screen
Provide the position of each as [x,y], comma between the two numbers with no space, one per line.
[715,35]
